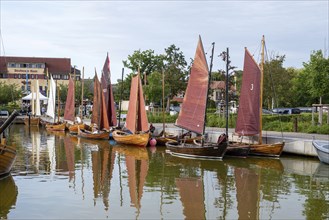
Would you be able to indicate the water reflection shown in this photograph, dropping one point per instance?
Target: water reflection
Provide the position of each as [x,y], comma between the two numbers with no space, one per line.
[136,161]
[105,181]
[8,196]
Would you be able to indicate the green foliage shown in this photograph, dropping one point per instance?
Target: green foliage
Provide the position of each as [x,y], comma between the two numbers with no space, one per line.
[158,118]
[277,83]
[9,93]
[317,70]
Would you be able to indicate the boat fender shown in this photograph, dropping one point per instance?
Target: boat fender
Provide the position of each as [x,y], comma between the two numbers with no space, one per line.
[221,139]
[153,141]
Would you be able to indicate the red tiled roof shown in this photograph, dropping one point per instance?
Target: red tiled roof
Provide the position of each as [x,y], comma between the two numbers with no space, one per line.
[54,65]
[220,85]
[178,99]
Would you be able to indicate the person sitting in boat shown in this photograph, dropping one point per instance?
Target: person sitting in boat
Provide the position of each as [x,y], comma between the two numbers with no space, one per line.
[152,128]
[78,120]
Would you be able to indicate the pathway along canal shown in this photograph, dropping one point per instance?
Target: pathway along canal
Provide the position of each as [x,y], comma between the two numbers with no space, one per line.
[58,176]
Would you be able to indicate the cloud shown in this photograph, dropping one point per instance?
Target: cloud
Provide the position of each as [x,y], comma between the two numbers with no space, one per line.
[85,31]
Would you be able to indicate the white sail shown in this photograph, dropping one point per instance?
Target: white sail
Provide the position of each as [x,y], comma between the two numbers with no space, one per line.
[51,99]
[32,100]
[37,103]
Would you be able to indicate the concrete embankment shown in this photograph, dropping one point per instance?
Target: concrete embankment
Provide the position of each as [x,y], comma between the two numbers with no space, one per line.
[295,143]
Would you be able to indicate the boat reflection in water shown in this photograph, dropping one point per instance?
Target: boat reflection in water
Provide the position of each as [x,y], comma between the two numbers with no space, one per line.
[136,160]
[100,180]
[191,193]
[8,196]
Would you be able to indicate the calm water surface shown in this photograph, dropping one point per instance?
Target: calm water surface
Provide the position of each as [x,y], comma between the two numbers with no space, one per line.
[63,177]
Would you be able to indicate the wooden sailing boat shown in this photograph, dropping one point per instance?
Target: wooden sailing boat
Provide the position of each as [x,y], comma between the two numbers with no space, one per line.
[7,152]
[192,115]
[34,118]
[7,158]
[99,121]
[249,119]
[58,126]
[137,130]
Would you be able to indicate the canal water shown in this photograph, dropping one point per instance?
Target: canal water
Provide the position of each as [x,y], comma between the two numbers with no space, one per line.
[58,176]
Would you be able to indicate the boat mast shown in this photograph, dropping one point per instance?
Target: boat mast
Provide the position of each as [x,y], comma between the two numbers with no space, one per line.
[261,92]
[58,110]
[163,105]
[121,97]
[226,88]
[74,82]
[82,82]
[209,76]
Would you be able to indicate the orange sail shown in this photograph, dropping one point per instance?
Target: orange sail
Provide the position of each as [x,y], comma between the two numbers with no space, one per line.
[191,115]
[136,117]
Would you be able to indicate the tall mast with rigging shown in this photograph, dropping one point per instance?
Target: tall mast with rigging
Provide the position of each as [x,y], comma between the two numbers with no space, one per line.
[209,76]
[261,91]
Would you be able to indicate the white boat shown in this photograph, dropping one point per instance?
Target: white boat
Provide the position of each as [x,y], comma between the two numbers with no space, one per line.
[322,149]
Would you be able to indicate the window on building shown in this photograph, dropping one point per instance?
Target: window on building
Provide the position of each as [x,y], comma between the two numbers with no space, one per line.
[19,76]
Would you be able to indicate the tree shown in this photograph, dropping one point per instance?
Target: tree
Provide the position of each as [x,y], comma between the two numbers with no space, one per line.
[175,70]
[9,93]
[277,83]
[146,62]
[317,70]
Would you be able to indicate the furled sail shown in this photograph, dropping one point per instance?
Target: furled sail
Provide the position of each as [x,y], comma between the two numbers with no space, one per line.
[37,101]
[51,99]
[108,93]
[249,102]
[192,113]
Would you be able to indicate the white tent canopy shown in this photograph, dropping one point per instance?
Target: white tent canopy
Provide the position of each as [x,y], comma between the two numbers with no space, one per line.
[29,97]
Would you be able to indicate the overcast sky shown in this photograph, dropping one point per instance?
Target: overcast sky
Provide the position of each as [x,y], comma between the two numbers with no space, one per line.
[86,30]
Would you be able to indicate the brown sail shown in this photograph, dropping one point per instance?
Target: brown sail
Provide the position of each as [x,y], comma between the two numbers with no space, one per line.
[136,117]
[69,112]
[249,102]
[191,115]
[95,118]
[108,93]
[99,117]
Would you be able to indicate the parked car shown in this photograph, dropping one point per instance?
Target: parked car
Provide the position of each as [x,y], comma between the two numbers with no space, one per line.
[286,110]
[4,114]
[173,110]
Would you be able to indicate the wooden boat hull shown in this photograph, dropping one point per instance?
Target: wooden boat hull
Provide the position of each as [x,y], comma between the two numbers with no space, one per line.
[33,121]
[7,159]
[104,135]
[140,140]
[322,149]
[55,127]
[208,151]
[73,129]
[268,150]
[237,150]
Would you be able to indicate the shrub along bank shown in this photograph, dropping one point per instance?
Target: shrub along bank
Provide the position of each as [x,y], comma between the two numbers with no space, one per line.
[285,123]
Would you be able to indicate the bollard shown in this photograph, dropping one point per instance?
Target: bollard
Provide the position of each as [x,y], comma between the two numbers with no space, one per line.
[295,125]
